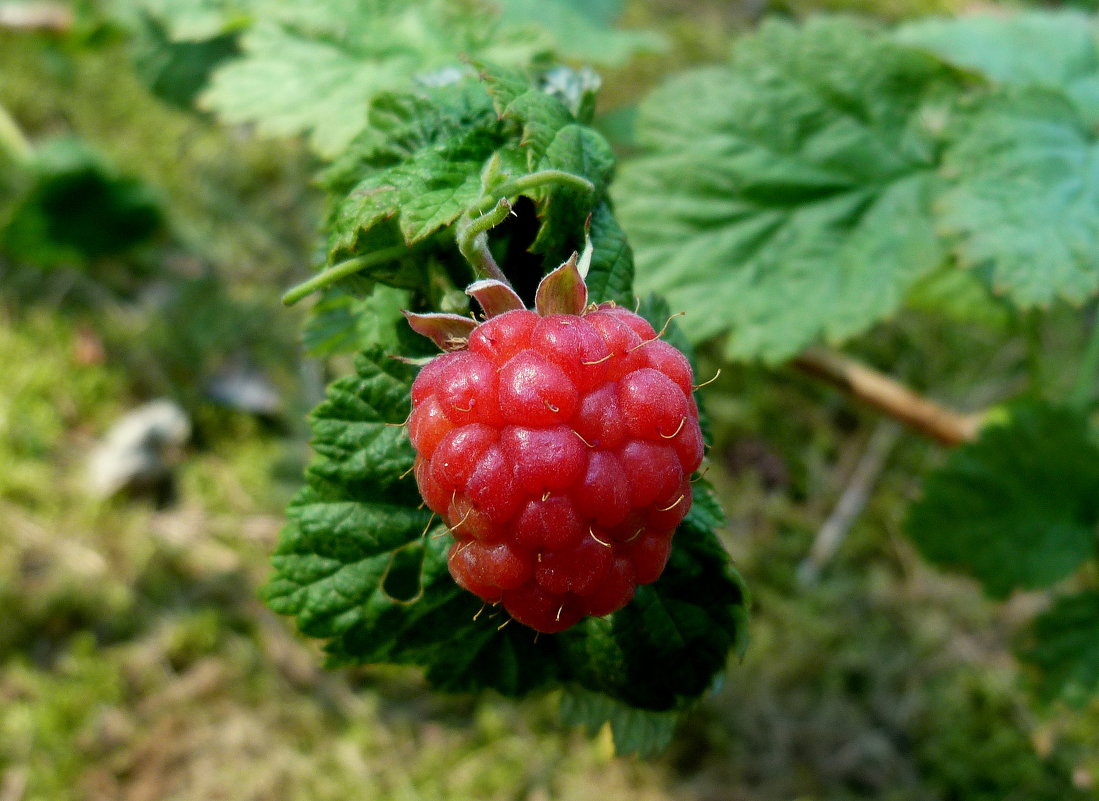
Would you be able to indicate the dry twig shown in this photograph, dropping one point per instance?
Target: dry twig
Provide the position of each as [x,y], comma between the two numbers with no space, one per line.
[890,396]
[851,502]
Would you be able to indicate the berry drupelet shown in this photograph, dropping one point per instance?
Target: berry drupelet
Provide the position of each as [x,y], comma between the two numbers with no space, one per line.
[557,445]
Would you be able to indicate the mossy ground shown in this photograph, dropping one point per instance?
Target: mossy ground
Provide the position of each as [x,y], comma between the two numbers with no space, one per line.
[137,663]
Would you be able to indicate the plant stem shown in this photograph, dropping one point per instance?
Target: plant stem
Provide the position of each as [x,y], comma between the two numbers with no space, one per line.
[851,502]
[1083,389]
[494,207]
[887,395]
[532,181]
[472,237]
[12,139]
[342,270]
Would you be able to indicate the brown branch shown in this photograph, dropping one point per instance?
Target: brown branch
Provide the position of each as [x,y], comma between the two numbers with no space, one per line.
[948,426]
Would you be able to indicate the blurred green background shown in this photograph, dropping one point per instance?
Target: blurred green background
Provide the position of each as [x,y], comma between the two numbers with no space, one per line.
[136,661]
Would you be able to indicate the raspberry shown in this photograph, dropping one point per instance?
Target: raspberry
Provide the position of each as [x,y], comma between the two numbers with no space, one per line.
[557,448]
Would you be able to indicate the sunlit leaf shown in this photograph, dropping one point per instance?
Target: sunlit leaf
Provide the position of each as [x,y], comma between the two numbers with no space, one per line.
[1023,196]
[788,195]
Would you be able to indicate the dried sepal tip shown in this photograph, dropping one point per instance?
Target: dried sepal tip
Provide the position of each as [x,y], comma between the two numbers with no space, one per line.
[562,291]
[495,297]
[448,331]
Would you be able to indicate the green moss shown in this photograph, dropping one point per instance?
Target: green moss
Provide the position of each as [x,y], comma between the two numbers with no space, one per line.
[49,396]
[49,719]
[974,746]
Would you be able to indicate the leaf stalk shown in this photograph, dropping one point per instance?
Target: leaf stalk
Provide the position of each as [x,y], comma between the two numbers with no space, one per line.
[525,183]
[338,272]
[472,235]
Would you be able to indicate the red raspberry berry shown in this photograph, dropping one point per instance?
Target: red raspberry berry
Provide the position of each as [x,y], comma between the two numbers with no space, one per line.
[558,450]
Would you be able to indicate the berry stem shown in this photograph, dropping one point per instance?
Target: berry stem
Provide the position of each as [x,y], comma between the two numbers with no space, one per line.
[525,183]
[472,234]
[890,396]
[342,270]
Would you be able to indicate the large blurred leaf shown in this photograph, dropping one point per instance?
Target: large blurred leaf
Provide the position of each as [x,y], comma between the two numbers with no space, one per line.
[78,207]
[314,68]
[192,21]
[355,568]
[1065,648]
[787,196]
[635,731]
[1023,198]
[177,70]
[1053,50]
[962,296]
[1019,507]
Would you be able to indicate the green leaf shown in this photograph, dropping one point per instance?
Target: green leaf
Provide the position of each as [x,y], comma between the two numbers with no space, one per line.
[290,84]
[314,68]
[1065,648]
[78,207]
[541,115]
[635,731]
[666,648]
[177,70]
[552,139]
[610,276]
[787,196]
[1050,49]
[193,21]
[961,296]
[356,568]
[341,323]
[439,154]
[1017,508]
[1023,196]
[426,173]
[578,150]
[356,509]
[441,184]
